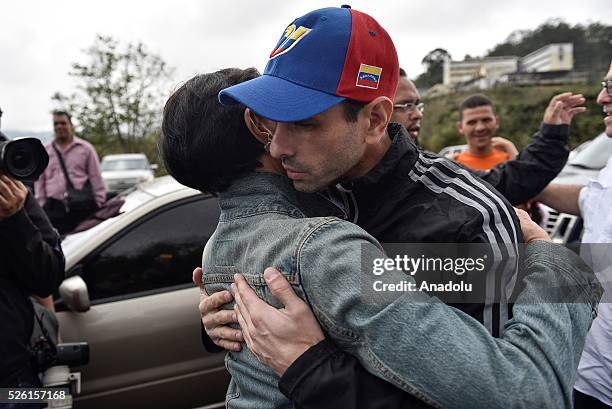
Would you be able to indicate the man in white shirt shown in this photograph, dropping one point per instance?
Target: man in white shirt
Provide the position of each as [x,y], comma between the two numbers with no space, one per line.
[593,388]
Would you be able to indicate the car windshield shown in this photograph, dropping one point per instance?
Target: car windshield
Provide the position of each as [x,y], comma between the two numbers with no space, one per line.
[595,155]
[124,164]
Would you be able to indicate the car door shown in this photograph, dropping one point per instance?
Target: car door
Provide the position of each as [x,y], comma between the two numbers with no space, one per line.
[143,327]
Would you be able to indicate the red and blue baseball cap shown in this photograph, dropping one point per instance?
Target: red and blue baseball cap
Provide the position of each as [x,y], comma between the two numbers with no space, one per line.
[321,59]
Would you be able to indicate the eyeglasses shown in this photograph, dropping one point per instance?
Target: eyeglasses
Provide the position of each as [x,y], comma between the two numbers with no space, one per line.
[607,84]
[409,107]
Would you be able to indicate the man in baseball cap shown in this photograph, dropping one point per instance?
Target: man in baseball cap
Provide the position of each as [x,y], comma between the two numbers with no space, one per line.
[330,82]
[328,66]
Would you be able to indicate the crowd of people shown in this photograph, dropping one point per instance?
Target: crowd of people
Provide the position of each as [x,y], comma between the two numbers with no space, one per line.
[316,164]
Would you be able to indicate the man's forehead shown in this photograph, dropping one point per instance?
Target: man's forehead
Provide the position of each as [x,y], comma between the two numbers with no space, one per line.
[483,110]
[406,91]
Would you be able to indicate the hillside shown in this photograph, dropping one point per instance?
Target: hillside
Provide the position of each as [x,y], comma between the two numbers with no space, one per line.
[520,110]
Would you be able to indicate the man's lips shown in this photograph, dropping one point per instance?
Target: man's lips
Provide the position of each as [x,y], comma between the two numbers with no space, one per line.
[293,173]
[414,130]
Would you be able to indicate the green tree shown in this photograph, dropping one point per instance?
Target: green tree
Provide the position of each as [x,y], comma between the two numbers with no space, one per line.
[120,95]
[434,66]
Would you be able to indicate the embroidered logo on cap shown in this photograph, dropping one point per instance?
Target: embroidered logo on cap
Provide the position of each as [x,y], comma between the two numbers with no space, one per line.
[291,37]
[368,76]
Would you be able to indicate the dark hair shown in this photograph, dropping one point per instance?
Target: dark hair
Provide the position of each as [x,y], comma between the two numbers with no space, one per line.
[206,145]
[475,101]
[63,113]
[402,73]
[351,109]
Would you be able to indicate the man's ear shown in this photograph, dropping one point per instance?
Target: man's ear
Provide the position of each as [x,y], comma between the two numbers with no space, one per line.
[259,127]
[378,113]
[459,127]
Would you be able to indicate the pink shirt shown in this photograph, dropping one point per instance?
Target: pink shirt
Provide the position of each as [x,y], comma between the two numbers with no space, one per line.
[82,164]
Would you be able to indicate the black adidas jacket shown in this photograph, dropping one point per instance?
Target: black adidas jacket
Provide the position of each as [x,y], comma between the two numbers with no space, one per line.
[534,168]
[413,196]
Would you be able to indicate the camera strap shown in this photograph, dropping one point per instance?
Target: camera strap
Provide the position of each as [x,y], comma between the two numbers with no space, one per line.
[69,184]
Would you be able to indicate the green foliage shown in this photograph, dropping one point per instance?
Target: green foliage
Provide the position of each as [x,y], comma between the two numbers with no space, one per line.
[592,46]
[520,110]
[434,65]
[121,91]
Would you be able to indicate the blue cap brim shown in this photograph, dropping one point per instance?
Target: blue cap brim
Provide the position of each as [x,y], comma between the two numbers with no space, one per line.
[278,99]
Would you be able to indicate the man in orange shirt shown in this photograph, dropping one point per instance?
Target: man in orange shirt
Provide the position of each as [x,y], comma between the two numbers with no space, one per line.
[479,125]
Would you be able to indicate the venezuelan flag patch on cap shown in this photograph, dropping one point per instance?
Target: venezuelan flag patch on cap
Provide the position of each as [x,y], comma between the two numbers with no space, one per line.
[368,76]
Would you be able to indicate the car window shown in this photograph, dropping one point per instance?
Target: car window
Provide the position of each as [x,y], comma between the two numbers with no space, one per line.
[595,155]
[159,253]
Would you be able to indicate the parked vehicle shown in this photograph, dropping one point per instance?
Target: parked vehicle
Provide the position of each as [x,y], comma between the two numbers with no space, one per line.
[129,295]
[452,151]
[123,171]
[584,164]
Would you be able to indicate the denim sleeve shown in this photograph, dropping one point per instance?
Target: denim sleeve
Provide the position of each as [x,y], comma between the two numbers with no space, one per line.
[437,353]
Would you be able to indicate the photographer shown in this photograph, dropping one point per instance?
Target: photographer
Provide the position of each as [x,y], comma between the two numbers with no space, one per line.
[31,262]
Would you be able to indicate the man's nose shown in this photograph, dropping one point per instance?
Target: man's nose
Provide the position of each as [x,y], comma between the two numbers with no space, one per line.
[603,97]
[416,114]
[281,146]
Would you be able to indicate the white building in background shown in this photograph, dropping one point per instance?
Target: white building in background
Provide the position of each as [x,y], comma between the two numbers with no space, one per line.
[553,57]
[483,71]
[550,64]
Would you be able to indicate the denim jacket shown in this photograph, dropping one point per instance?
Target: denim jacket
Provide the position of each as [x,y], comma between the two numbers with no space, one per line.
[432,351]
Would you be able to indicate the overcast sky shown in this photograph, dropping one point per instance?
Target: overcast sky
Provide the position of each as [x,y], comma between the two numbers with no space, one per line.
[40,39]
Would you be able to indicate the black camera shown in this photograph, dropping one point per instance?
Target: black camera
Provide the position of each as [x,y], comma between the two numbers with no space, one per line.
[45,354]
[23,158]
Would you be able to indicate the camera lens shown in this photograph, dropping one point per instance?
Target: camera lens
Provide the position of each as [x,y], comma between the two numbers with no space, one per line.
[20,161]
[23,159]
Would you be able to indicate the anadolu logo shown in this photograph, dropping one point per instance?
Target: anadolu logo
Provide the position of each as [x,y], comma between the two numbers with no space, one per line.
[290,38]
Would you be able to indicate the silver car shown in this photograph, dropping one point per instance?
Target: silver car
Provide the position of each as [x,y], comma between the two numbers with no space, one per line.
[129,295]
[125,170]
[584,164]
